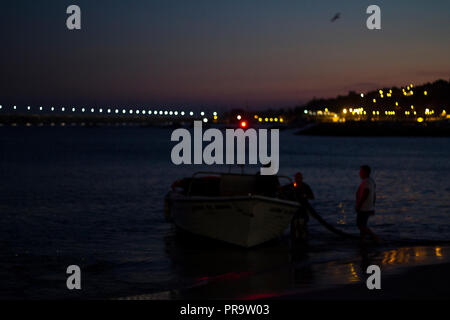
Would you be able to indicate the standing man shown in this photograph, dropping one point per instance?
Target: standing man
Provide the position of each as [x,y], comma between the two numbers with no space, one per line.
[365,203]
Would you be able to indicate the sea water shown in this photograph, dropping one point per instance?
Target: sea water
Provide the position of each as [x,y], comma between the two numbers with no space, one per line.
[93,197]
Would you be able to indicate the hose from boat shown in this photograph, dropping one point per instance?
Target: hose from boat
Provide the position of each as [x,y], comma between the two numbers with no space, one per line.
[416,242]
[313,213]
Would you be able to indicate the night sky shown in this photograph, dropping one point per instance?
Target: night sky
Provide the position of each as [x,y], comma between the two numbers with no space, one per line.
[211,53]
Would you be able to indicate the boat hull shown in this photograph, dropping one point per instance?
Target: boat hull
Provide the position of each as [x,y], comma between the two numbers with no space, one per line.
[243,221]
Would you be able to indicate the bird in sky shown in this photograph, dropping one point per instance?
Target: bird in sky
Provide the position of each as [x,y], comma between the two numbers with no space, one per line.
[336,16]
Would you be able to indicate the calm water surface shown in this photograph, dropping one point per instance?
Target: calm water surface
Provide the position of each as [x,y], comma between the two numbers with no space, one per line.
[94,197]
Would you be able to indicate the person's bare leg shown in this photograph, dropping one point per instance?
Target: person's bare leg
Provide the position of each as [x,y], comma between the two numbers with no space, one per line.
[372,234]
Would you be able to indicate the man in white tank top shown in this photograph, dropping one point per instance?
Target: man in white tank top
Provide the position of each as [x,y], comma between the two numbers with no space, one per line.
[365,203]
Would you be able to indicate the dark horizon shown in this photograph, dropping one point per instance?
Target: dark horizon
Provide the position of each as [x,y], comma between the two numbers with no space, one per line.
[223,55]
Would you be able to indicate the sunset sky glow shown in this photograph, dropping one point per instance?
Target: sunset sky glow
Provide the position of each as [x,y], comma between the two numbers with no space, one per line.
[217,53]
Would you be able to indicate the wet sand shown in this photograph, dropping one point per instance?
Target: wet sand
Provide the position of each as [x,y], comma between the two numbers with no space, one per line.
[420,272]
[431,282]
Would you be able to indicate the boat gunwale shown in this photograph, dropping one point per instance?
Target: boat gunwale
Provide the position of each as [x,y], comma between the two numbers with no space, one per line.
[185,198]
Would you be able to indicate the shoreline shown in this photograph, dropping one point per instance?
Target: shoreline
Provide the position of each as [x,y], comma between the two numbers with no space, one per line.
[423,278]
[378,129]
[425,282]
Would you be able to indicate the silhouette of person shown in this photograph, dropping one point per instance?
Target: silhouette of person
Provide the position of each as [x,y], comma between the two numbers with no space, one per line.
[365,203]
[303,193]
[302,190]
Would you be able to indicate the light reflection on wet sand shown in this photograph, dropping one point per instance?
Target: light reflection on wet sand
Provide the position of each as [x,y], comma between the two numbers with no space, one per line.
[224,272]
[411,255]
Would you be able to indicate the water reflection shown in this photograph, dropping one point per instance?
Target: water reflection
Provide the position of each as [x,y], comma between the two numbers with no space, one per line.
[201,259]
[355,271]
[210,269]
[409,255]
[354,277]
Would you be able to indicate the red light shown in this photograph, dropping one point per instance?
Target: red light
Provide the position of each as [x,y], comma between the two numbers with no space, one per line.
[295,184]
[244,124]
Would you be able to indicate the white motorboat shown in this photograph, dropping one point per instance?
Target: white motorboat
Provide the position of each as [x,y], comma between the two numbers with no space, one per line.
[241,209]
